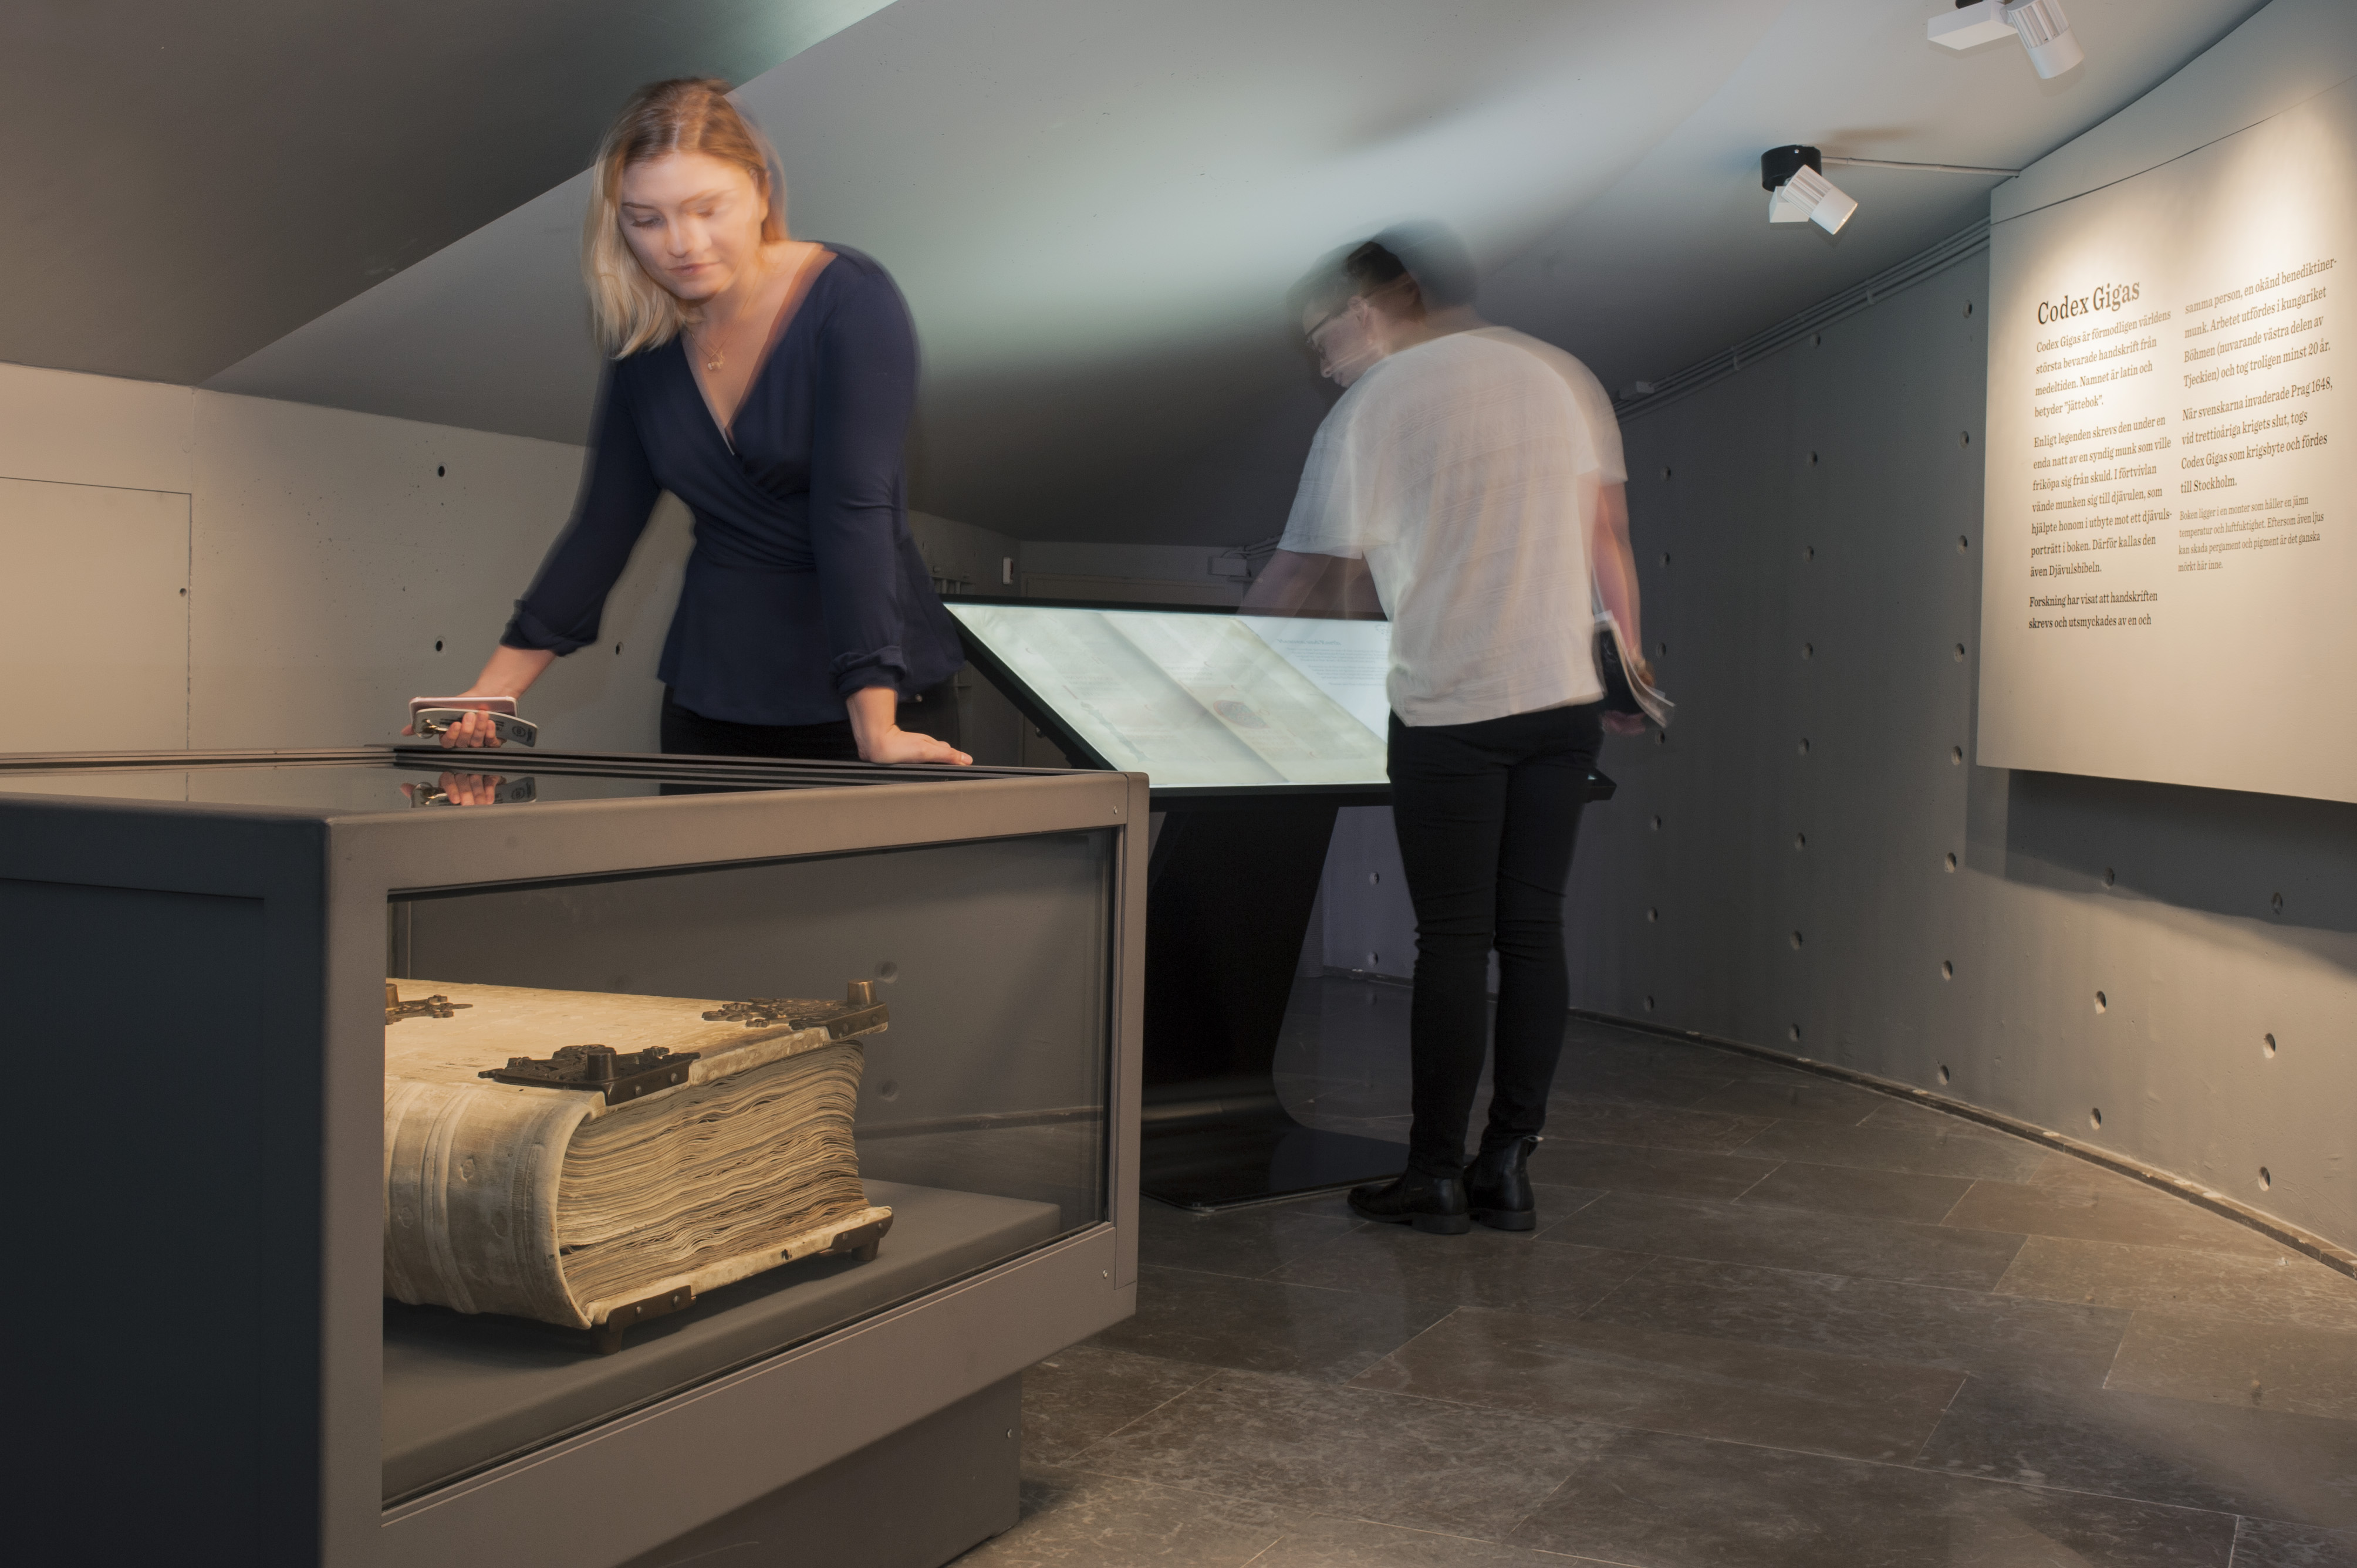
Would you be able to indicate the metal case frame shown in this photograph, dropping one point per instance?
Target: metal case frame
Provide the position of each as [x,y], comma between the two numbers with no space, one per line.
[322,879]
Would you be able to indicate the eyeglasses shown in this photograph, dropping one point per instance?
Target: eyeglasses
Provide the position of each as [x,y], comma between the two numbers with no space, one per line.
[1311,336]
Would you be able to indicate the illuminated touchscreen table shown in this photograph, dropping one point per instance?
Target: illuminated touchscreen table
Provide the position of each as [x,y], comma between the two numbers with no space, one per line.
[1199,701]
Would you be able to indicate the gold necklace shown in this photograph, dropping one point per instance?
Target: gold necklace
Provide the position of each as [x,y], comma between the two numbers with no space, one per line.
[713,357]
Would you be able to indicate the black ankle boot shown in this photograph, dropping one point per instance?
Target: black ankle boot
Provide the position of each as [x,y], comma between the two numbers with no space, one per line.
[1498,1187]
[1430,1203]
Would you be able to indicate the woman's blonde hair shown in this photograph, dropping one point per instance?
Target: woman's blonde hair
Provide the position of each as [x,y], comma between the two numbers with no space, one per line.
[630,311]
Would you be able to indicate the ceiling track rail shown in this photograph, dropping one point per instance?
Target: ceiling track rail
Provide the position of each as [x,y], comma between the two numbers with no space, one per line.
[1960,246]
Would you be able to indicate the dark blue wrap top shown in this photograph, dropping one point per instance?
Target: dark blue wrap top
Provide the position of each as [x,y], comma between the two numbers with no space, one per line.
[804,585]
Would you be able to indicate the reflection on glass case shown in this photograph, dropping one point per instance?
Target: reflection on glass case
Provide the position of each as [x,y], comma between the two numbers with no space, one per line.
[577,1157]
[811,1162]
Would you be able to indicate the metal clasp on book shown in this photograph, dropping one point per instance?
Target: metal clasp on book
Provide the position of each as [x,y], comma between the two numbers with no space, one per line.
[858,1013]
[621,1076]
[435,1006]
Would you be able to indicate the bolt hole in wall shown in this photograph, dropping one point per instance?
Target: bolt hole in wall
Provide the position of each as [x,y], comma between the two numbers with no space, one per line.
[2096,1119]
[439,470]
[437,645]
[1796,941]
[2110,877]
[1943,1072]
[2103,1003]
[2266,1180]
[1951,862]
[1803,747]
[1956,756]
[2268,1048]
[1800,840]
[1947,969]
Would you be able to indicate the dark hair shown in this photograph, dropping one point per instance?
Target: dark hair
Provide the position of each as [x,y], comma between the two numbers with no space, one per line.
[1366,270]
[1437,259]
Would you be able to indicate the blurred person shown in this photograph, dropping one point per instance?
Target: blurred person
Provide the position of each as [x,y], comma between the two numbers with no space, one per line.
[1447,282]
[766,382]
[1458,473]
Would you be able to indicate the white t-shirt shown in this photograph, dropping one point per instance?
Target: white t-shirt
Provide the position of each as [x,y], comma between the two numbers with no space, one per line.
[1594,403]
[1458,469]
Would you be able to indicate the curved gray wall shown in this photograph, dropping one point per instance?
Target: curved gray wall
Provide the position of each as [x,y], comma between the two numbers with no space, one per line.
[1800,528]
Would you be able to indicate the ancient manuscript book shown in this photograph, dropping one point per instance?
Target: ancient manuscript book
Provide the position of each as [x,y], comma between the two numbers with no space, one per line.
[596,1160]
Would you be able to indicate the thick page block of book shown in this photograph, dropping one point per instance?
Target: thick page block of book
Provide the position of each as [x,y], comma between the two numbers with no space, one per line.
[571,1192]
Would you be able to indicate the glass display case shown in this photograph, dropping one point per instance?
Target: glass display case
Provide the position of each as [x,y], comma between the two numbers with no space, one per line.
[563,1154]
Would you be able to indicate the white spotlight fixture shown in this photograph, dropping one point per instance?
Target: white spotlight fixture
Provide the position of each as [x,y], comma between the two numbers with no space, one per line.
[1799,192]
[2040,24]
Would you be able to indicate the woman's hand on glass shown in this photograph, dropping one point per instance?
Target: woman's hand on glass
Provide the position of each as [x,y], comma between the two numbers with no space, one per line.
[874,724]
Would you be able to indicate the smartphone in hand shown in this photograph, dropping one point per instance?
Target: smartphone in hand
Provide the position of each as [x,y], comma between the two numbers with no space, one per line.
[432,715]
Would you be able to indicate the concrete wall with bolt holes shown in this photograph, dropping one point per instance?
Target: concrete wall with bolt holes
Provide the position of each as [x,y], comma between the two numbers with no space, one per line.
[197,568]
[1813,862]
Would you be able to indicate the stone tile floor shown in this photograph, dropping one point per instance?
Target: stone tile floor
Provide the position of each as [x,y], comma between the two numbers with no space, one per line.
[1766,1320]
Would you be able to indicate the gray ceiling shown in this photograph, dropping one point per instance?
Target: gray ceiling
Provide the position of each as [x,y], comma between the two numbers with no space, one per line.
[1093,205]
[195,182]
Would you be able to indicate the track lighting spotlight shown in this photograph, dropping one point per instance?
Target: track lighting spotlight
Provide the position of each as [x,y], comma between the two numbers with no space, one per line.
[1798,191]
[2040,24]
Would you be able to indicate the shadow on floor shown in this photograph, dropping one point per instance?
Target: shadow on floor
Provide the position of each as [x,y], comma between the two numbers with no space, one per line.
[1767,1320]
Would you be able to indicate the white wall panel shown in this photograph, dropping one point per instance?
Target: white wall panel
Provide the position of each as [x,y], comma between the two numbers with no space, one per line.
[345,563]
[312,559]
[93,618]
[94,430]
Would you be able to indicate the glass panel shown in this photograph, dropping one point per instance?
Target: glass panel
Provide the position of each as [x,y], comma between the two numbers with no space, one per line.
[348,787]
[977,1119]
[1204,700]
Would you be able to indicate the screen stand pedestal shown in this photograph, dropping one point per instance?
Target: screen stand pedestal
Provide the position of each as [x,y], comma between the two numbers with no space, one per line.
[1228,902]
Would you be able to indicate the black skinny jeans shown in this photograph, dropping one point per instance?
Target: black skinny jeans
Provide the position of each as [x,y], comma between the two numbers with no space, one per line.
[1487,814]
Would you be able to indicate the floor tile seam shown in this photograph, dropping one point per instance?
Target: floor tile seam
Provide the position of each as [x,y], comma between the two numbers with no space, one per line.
[2087,1492]
[2188,1310]
[1192,1491]
[1913,1468]
[1771,1204]
[1696,1258]
[1970,1188]
[2277,1249]
[1330,1290]
[1649,1260]
[1219,1273]
[1498,1540]
[1284,1531]
[1209,1373]
[1748,1191]
[1870,1279]
[1609,1423]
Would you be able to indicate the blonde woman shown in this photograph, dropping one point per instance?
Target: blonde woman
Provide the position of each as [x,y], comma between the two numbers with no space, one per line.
[766,381]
